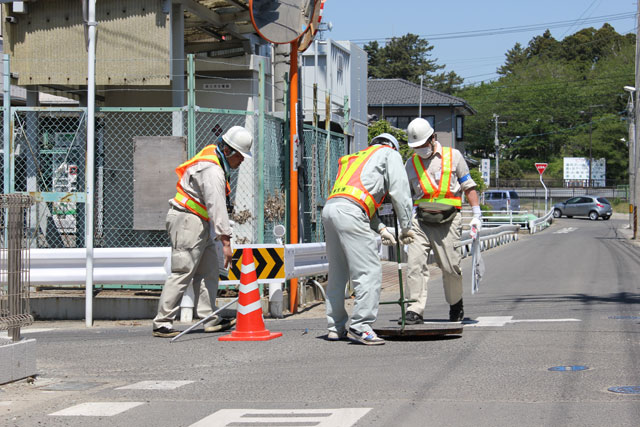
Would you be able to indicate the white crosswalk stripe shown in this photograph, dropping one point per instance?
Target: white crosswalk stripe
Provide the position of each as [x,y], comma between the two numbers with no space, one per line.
[155,385]
[96,409]
[343,417]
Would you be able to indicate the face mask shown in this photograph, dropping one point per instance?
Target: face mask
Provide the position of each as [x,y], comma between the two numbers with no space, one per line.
[424,152]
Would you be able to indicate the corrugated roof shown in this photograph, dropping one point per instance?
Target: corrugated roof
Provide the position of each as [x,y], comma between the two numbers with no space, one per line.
[399,92]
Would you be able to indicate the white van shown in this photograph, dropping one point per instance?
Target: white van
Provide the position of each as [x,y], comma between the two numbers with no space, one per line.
[502,200]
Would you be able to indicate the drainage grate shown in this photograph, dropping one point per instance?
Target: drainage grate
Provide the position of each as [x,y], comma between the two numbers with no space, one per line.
[569,368]
[627,389]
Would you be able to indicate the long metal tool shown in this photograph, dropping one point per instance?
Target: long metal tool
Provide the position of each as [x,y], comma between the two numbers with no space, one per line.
[401,301]
[424,329]
[195,325]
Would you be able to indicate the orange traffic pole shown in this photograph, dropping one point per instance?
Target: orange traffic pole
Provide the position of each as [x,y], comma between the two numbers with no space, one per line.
[294,146]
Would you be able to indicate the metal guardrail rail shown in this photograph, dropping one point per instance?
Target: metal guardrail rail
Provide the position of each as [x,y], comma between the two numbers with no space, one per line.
[542,222]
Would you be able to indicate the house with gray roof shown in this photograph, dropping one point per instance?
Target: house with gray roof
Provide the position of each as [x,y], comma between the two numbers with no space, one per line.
[399,101]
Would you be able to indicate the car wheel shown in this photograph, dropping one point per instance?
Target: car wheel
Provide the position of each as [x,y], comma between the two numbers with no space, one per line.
[606,217]
[593,215]
[557,213]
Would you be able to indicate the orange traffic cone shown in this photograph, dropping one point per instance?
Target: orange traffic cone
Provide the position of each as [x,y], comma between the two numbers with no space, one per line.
[249,324]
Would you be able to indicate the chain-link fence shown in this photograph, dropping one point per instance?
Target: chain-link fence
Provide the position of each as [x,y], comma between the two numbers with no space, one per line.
[14,264]
[320,167]
[50,152]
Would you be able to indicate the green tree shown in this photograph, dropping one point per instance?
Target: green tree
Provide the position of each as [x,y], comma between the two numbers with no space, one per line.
[383,126]
[408,58]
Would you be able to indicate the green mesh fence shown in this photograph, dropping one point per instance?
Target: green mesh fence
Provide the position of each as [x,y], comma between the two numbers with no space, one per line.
[320,168]
[49,157]
[49,146]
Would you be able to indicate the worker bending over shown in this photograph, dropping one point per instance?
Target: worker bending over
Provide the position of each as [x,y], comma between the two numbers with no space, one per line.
[349,216]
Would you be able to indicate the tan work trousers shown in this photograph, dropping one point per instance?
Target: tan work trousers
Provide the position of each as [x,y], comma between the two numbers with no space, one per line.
[193,257]
[442,239]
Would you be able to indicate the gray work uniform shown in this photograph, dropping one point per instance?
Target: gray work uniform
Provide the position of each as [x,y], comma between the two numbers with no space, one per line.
[443,239]
[352,250]
[193,252]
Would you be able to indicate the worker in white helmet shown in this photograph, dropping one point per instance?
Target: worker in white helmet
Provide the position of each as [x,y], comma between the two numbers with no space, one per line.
[349,216]
[438,176]
[200,205]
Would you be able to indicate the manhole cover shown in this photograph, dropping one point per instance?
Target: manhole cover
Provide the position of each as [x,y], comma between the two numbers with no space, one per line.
[69,386]
[569,368]
[627,389]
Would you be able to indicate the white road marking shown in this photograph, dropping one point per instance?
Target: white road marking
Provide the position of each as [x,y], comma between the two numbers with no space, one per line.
[96,409]
[24,331]
[565,230]
[503,320]
[155,385]
[343,417]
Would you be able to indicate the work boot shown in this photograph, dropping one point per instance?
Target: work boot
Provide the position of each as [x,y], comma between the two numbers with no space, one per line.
[366,338]
[411,318]
[165,332]
[336,336]
[222,326]
[456,312]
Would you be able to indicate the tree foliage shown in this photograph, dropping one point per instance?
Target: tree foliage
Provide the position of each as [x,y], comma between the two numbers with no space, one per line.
[556,97]
[408,58]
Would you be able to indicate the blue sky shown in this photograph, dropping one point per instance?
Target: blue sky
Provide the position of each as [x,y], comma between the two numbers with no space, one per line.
[475,58]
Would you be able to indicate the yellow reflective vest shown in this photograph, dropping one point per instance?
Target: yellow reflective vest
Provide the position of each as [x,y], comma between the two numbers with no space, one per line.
[207,154]
[442,193]
[348,183]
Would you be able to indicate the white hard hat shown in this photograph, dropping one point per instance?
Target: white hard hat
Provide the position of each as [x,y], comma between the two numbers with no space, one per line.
[385,138]
[418,131]
[239,139]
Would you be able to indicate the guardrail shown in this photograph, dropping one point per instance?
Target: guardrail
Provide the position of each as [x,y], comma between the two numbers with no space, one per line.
[541,223]
[489,238]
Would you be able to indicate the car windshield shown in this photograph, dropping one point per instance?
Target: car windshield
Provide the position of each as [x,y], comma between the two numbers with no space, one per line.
[603,200]
[513,194]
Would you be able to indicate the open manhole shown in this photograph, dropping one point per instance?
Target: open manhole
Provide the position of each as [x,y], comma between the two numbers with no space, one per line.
[626,389]
[569,368]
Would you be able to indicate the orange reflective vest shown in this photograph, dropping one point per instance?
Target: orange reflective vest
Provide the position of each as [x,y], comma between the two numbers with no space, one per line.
[348,183]
[207,154]
[442,193]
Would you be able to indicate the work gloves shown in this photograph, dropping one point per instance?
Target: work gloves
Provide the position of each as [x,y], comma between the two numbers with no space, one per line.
[387,238]
[476,221]
[407,236]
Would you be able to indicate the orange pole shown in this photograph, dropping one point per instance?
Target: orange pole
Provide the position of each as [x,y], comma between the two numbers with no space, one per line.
[294,146]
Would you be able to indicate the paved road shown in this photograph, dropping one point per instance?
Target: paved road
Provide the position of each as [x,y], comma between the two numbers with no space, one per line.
[568,296]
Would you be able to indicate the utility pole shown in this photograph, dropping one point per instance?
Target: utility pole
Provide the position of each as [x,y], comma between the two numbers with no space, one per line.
[632,152]
[420,107]
[496,141]
[636,189]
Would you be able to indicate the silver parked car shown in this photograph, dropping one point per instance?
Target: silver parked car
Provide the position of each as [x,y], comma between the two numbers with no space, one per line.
[592,206]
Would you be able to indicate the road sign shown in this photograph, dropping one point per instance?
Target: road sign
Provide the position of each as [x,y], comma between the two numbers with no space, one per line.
[269,263]
[541,167]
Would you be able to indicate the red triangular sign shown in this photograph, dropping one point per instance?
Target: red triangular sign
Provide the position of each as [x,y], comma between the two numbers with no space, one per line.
[541,167]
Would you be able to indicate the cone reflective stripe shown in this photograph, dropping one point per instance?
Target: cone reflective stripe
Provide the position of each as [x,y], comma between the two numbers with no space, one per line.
[249,320]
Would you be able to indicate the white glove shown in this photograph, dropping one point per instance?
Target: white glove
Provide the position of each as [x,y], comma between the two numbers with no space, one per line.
[407,236]
[387,238]
[476,222]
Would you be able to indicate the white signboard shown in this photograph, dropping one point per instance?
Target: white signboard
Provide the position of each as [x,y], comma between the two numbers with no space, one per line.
[485,170]
[577,169]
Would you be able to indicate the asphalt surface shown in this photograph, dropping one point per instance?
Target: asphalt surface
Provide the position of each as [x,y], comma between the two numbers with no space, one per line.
[566,298]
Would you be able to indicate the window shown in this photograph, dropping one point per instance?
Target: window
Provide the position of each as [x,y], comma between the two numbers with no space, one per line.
[403,122]
[513,195]
[431,120]
[459,127]
[393,121]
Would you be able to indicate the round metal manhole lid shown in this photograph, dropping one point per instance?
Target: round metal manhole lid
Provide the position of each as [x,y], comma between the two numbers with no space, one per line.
[627,389]
[569,368]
